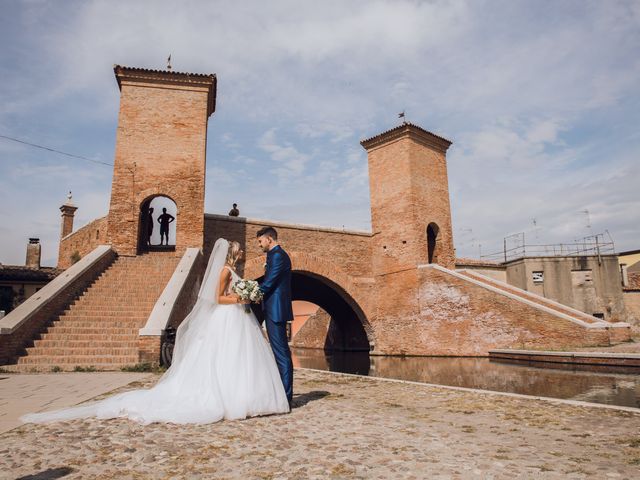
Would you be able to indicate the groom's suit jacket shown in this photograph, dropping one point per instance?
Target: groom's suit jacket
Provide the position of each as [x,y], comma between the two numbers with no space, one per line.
[276,286]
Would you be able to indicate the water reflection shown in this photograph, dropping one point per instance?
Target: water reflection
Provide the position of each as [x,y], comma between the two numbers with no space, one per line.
[589,386]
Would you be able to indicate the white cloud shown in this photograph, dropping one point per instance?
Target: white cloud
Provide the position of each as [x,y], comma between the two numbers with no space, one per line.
[540,98]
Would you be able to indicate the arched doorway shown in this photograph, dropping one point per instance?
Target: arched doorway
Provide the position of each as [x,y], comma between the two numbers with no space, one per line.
[432,242]
[158,218]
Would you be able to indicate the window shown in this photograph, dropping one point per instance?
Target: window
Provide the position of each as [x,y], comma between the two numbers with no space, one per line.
[537,277]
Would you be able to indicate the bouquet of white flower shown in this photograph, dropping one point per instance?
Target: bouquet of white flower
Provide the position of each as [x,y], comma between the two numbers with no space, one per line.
[247,290]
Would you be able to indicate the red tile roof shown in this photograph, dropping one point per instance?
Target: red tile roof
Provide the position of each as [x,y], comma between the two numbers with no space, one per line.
[20,273]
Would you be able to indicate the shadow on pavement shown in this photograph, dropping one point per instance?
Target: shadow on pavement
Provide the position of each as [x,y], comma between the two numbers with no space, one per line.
[303,399]
[49,474]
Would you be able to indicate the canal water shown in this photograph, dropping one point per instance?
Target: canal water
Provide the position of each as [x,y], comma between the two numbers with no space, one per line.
[588,384]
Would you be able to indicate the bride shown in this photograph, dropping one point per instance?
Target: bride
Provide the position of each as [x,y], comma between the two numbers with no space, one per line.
[222,365]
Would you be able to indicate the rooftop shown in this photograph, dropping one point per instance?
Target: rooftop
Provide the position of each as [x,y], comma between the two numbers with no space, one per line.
[20,273]
[408,129]
[208,80]
[477,263]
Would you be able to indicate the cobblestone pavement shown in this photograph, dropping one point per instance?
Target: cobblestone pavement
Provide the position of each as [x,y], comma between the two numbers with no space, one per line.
[20,394]
[346,427]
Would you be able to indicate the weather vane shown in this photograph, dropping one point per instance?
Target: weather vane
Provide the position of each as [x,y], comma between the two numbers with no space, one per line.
[401,115]
[169,62]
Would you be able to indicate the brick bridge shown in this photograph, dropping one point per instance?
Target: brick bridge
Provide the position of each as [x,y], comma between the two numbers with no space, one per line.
[393,290]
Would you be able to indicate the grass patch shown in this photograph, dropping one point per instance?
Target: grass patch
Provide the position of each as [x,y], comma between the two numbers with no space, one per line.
[80,368]
[143,367]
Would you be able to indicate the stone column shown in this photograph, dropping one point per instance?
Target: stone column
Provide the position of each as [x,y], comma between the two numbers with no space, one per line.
[68,211]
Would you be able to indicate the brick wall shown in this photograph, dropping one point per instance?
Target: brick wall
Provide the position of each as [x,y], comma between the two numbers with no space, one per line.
[83,241]
[348,250]
[431,312]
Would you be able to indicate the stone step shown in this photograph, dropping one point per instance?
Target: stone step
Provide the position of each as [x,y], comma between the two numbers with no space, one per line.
[46,368]
[95,343]
[100,328]
[124,292]
[81,351]
[89,337]
[103,326]
[78,359]
[111,302]
[97,330]
[105,314]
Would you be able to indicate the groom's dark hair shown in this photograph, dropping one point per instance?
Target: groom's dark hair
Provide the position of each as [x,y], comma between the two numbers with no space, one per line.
[267,231]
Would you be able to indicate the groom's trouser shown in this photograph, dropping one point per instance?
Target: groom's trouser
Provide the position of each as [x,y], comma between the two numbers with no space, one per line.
[280,346]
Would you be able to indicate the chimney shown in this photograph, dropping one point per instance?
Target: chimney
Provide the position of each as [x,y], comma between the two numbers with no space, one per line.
[68,211]
[33,253]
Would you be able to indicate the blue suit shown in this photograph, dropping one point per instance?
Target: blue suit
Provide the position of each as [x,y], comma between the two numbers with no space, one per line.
[278,310]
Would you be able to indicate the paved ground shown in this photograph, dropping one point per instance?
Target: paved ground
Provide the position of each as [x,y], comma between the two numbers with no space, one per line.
[346,427]
[20,394]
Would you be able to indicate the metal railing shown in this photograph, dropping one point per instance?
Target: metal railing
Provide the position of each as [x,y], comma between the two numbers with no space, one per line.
[515,246]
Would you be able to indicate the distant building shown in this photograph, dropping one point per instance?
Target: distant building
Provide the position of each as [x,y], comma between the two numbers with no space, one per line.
[630,268]
[588,283]
[19,282]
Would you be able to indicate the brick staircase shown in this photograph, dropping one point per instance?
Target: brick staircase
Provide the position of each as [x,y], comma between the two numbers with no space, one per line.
[532,297]
[100,328]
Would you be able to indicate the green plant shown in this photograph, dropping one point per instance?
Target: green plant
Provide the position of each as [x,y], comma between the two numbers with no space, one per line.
[80,368]
[56,369]
[75,257]
[143,367]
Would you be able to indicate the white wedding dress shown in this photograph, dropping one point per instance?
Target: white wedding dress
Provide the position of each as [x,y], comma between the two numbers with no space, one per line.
[223,368]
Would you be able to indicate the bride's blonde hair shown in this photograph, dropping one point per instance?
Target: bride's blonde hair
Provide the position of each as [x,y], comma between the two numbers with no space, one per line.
[233,254]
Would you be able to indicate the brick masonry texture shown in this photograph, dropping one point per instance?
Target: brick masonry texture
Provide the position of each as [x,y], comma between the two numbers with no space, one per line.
[314,332]
[83,241]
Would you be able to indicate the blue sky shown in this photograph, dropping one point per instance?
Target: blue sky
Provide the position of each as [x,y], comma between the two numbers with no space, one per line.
[541,100]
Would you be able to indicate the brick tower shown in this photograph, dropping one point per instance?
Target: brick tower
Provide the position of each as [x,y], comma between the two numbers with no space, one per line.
[160,151]
[410,210]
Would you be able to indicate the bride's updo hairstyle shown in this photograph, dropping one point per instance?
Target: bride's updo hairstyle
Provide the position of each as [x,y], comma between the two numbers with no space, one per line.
[234,253]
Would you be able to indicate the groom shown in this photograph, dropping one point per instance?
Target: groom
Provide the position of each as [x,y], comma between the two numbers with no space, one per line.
[276,303]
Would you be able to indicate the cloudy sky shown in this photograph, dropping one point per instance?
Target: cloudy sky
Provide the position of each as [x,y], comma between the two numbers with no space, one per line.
[540,98]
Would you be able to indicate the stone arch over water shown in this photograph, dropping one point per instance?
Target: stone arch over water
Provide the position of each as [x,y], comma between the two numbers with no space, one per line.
[320,282]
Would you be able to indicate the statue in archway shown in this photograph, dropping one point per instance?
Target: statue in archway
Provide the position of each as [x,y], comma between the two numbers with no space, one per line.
[164,220]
